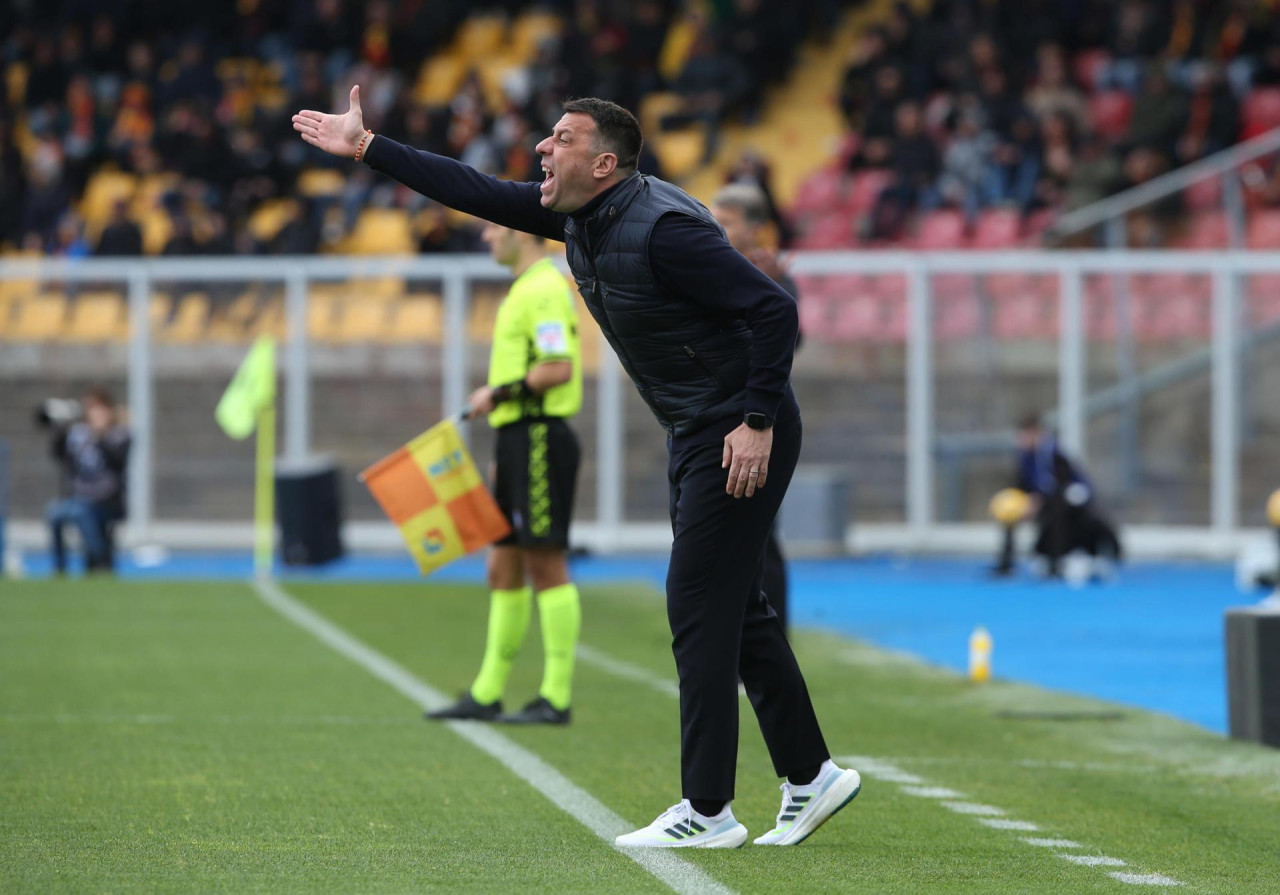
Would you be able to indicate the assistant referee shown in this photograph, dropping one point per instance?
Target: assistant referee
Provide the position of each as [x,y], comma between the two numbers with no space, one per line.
[535,386]
[708,341]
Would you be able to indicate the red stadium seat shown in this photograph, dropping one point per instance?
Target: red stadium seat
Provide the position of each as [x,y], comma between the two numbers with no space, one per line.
[1099,308]
[1264,299]
[1204,230]
[957,308]
[1111,112]
[866,189]
[1261,112]
[1088,68]
[833,230]
[999,228]
[1204,194]
[940,230]
[1264,230]
[820,192]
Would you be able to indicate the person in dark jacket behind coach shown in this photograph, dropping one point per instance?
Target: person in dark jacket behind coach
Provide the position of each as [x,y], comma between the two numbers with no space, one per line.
[742,209]
[708,341]
[93,455]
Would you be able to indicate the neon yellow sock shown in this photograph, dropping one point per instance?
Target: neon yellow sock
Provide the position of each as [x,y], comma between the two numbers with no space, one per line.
[509,612]
[561,615]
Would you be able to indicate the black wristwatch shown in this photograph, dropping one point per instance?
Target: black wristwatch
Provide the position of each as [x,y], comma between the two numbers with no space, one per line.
[757,421]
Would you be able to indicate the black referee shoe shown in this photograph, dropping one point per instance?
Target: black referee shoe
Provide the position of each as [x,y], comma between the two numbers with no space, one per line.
[537,712]
[467,709]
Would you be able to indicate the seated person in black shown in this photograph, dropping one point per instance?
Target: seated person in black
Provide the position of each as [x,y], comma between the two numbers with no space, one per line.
[1062,501]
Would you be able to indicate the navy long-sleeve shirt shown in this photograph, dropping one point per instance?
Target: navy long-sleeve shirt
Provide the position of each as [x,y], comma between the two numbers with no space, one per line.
[689,258]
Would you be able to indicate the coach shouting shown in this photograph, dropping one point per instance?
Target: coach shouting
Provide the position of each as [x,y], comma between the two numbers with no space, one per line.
[708,340]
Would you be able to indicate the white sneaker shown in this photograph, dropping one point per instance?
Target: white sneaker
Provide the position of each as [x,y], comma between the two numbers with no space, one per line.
[807,807]
[682,827]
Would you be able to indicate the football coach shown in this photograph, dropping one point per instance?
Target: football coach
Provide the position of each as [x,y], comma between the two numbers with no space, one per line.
[708,341]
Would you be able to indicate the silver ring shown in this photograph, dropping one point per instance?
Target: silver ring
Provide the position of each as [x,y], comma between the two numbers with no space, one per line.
[754,472]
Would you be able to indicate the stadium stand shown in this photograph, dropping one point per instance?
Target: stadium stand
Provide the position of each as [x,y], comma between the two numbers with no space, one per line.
[1038,107]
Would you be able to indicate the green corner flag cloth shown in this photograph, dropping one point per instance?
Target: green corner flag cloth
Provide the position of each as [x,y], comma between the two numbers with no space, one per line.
[252,389]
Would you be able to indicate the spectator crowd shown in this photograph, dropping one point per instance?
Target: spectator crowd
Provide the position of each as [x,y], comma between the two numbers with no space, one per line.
[1048,104]
[197,100]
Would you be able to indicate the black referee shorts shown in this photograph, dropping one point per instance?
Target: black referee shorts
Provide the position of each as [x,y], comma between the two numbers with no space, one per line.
[537,472]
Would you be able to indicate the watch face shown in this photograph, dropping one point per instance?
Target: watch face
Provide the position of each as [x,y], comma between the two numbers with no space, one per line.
[757,421]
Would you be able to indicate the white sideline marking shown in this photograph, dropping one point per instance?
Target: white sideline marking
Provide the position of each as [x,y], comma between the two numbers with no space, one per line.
[673,871]
[1144,879]
[881,770]
[973,808]
[627,671]
[932,792]
[1002,823]
[1052,843]
[1093,860]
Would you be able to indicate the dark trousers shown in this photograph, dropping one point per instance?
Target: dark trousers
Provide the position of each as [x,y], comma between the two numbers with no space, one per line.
[722,626]
[775,577]
[93,521]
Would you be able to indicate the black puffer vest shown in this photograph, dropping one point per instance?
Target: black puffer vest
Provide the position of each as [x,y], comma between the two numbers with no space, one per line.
[689,364]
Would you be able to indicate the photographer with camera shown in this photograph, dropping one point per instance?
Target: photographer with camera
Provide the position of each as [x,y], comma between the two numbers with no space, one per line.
[93,453]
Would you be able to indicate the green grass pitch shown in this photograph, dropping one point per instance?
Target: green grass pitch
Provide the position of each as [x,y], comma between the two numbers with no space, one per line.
[175,737]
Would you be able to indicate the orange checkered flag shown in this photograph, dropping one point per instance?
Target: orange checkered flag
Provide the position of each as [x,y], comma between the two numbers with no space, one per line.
[432,491]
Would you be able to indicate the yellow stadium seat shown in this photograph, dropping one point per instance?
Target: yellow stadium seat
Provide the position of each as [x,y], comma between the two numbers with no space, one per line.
[269,322]
[156,230]
[654,107]
[158,311]
[322,317]
[97,317]
[418,318]
[676,47]
[361,321]
[321,182]
[530,30]
[269,218]
[480,319]
[680,152]
[189,322]
[16,83]
[439,79]
[480,36]
[151,189]
[493,72]
[381,231]
[102,192]
[37,318]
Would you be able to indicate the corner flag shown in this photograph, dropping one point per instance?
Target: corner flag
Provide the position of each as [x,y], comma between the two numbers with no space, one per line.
[249,403]
[252,390]
[432,491]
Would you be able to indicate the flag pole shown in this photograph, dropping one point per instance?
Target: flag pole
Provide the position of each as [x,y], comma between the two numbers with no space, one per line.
[264,492]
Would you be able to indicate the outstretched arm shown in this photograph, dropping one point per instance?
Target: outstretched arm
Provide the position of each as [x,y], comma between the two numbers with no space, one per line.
[449,182]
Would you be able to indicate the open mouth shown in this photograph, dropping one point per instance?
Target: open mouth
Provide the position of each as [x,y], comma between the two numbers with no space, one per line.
[547,179]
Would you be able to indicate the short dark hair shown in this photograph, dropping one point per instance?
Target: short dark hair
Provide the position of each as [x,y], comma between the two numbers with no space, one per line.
[97,394]
[617,130]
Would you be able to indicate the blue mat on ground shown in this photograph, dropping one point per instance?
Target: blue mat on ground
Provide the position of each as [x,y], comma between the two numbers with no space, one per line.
[1152,638]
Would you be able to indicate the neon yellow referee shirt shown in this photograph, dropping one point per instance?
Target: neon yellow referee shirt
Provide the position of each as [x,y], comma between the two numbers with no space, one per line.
[536,322]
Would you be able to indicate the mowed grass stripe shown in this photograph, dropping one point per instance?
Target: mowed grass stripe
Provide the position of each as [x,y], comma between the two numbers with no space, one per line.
[170,737]
[576,802]
[1199,808]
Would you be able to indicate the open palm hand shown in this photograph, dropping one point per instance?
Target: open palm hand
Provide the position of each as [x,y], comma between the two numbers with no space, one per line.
[335,134]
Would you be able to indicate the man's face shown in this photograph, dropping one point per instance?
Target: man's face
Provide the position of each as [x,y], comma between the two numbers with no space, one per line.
[1028,438]
[99,416]
[742,235]
[574,170]
[503,245]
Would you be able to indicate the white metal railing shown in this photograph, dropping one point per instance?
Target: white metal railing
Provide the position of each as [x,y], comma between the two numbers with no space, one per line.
[1221,163]
[458,272]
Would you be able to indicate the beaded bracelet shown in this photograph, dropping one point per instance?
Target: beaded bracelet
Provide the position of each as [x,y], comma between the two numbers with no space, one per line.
[363,144]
